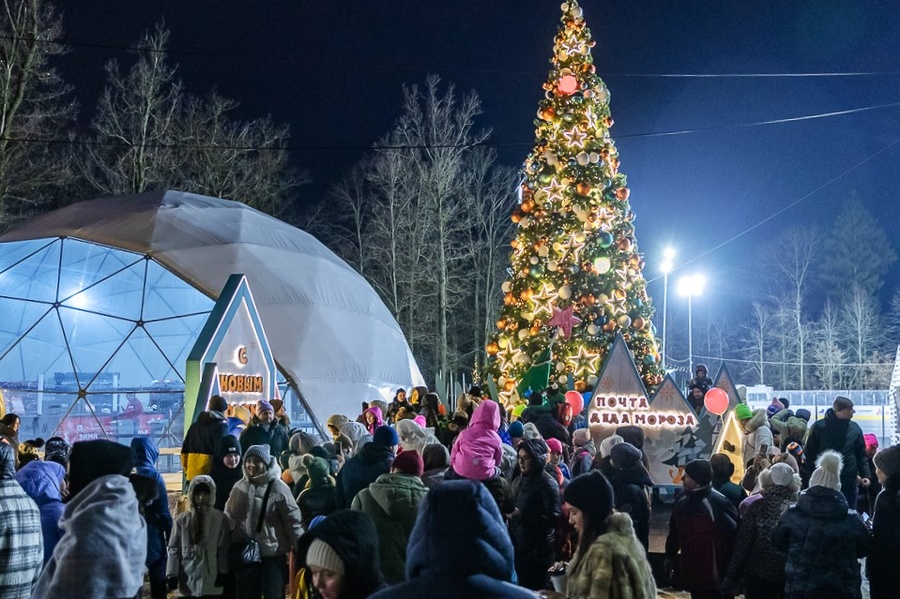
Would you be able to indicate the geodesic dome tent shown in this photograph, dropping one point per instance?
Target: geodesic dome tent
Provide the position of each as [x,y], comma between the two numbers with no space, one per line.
[103,300]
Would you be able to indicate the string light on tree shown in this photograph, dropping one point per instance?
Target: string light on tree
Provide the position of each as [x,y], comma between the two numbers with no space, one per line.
[575,265]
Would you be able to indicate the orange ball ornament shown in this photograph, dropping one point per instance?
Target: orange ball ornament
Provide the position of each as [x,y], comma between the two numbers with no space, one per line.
[492,348]
[583,188]
[622,193]
[527,205]
[509,385]
[580,386]
[501,323]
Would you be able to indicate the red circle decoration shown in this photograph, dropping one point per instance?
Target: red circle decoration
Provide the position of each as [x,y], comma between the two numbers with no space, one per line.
[576,400]
[567,84]
[716,401]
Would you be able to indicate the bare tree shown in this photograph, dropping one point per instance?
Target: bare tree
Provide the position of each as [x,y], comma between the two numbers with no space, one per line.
[758,332]
[827,352]
[148,134]
[863,333]
[34,106]
[791,259]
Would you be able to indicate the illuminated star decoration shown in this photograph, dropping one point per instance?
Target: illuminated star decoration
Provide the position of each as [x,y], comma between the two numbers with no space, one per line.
[616,305]
[554,189]
[507,357]
[543,301]
[584,361]
[564,319]
[575,137]
[604,218]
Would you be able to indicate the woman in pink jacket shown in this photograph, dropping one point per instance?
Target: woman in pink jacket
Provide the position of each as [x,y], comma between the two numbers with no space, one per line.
[477,451]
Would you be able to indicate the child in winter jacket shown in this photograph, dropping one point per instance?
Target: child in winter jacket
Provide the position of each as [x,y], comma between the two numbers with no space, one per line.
[477,452]
[198,548]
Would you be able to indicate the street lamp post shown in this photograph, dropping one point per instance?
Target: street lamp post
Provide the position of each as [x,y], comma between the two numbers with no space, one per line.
[666,268]
[690,286]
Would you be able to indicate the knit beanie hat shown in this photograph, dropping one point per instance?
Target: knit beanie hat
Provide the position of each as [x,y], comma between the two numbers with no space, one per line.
[259,451]
[262,406]
[700,471]
[803,414]
[581,437]
[781,474]
[435,455]
[515,429]
[385,435]
[592,494]
[217,403]
[625,455]
[229,444]
[92,459]
[420,420]
[828,471]
[772,410]
[517,411]
[409,462]
[871,440]
[56,449]
[554,445]
[317,468]
[607,444]
[530,431]
[796,450]
[743,412]
[888,460]
[321,555]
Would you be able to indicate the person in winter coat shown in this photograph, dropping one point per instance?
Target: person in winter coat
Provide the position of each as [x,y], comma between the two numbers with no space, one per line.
[392,501]
[399,401]
[335,423]
[790,427]
[436,460]
[757,435]
[552,421]
[533,523]
[583,453]
[293,472]
[459,547]
[373,419]
[318,497]
[198,548]
[431,410]
[202,438]
[413,436]
[609,562]
[630,481]
[21,544]
[822,538]
[104,544]
[477,452]
[837,432]
[884,555]
[156,513]
[722,471]
[264,430]
[868,493]
[342,555]
[280,529]
[702,530]
[701,379]
[360,471]
[755,560]
[226,470]
[44,483]
[9,430]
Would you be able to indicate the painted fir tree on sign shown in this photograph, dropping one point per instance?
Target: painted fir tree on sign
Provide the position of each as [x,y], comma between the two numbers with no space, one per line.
[576,274]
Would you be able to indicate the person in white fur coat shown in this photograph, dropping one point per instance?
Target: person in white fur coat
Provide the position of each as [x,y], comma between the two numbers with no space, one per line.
[104,544]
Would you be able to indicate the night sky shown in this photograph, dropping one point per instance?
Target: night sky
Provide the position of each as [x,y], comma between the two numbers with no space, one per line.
[333,71]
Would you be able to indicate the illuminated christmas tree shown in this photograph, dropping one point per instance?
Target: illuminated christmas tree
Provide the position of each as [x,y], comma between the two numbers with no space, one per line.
[576,274]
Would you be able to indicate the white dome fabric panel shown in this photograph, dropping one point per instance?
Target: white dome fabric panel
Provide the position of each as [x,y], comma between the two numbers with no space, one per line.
[329,331]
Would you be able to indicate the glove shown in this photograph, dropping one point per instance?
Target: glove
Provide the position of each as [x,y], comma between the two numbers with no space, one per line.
[172,583]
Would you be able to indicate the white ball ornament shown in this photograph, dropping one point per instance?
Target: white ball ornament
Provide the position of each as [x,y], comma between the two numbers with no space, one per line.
[592,380]
[506,286]
[565,292]
[593,329]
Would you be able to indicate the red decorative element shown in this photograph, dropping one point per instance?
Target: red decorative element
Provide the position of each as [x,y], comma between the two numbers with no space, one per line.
[576,400]
[567,84]
[564,319]
[716,401]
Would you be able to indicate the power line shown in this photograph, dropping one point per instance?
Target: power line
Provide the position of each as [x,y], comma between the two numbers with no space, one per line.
[317,64]
[293,148]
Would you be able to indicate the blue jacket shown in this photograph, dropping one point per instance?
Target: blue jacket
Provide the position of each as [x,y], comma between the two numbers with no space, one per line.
[459,547]
[40,480]
[361,470]
[157,514]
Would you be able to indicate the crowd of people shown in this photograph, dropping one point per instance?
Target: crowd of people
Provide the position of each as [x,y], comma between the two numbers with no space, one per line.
[407,499]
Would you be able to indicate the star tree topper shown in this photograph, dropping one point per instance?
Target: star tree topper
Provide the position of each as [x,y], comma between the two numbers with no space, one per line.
[564,319]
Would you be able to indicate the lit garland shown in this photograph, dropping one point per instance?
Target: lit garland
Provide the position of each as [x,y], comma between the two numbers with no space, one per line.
[575,251]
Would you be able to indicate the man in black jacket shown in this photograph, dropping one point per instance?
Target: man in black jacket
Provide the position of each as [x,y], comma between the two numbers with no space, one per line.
[203,438]
[837,432]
